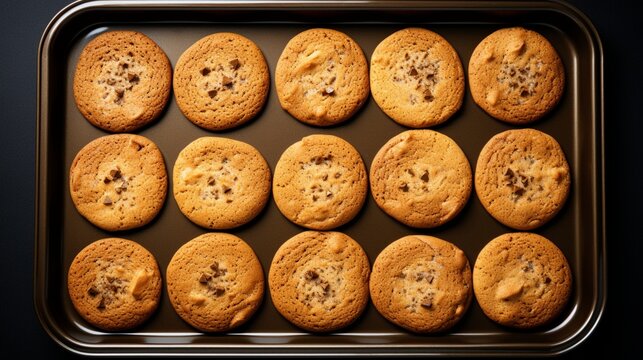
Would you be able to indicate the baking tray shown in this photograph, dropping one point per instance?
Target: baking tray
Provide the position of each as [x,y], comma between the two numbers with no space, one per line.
[577,123]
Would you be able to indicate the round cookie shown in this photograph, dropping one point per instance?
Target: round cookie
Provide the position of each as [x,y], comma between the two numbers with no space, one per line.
[322,77]
[516,76]
[221,81]
[220,183]
[122,81]
[417,78]
[114,284]
[421,178]
[522,178]
[320,182]
[521,280]
[319,280]
[421,283]
[118,182]
[215,282]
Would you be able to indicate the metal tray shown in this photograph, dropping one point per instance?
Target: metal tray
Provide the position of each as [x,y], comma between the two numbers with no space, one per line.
[577,123]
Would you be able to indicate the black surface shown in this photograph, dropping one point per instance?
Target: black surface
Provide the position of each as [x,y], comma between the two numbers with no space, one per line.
[22,24]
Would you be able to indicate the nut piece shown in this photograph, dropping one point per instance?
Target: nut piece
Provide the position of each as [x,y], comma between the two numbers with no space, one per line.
[203,279]
[139,283]
[218,291]
[413,72]
[212,93]
[328,90]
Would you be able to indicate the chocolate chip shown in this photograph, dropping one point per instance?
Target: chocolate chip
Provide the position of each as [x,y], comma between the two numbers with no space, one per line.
[325,286]
[101,304]
[524,180]
[337,175]
[203,279]
[124,65]
[428,96]
[410,171]
[429,278]
[226,81]
[115,174]
[132,77]
[211,181]
[524,93]
[413,72]
[120,92]
[315,197]
[235,64]
[205,71]
[425,176]
[427,304]
[311,275]
[226,189]
[329,194]
[547,280]
[111,81]
[509,173]
[218,291]
[318,160]
[406,56]
[92,291]
[107,180]
[512,72]
[215,266]
[107,201]
[404,187]
[212,93]
[325,177]
[519,191]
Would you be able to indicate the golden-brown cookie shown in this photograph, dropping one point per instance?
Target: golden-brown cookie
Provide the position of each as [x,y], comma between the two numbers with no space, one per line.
[319,280]
[320,182]
[522,178]
[215,282]
[516,76]
[421,178]
[417,78]
[221,81]
[322,77]
[114,284]
[522,280]
[122,81]
[118,182]
[220,183]
[421,283]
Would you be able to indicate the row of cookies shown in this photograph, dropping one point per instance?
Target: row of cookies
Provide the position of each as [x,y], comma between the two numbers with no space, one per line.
[321,282]
[123,78]
[419,177]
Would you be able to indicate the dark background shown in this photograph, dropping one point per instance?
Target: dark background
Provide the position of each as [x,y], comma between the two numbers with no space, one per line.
[21,26]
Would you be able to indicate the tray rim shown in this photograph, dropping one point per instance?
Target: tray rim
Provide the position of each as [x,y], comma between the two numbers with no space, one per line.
[41,245]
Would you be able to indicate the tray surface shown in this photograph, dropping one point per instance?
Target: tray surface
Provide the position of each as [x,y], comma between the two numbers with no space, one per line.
[576,123]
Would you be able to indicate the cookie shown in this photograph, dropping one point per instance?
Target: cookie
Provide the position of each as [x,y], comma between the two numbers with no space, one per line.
[421,283]
[417,78]
[521,280]
[516,76]
[215,282]
[114,284]
[221,81]
[421,178]
[118,182]
[322,77]
[122,81]
[320,182]
[221,183]
[522,178]
[319,280]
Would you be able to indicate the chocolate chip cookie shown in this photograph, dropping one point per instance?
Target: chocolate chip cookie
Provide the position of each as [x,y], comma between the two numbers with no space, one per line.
[215,282]
[516,75]
[114,284]
[118,182]
[319,280]
[322,77]
[122,81]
